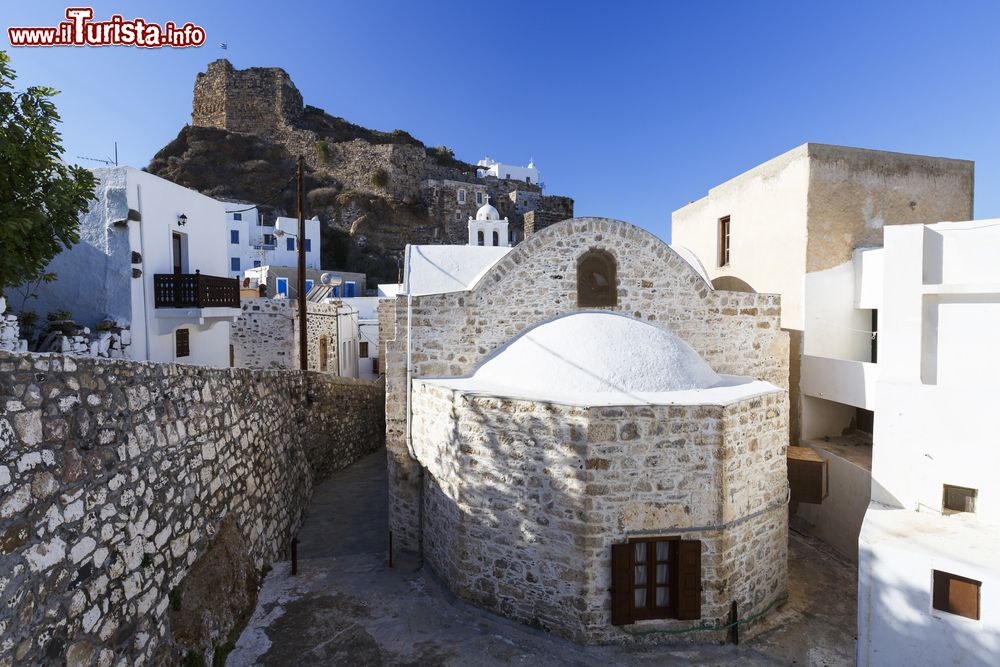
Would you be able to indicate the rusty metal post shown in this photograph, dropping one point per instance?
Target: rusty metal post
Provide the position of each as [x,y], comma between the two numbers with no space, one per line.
[301,286]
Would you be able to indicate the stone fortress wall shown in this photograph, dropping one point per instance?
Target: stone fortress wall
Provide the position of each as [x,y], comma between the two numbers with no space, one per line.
[736,333]
[116,475]
[523,525]
[265,102]
[266,334]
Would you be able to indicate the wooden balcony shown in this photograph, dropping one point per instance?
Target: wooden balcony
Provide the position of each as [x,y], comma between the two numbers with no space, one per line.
[194,290]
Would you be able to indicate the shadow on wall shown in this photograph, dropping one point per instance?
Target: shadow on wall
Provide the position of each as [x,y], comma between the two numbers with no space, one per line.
[732,284]
[506,537]
[907,630]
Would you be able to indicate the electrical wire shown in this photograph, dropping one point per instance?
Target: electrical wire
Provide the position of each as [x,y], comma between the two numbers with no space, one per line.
[266,201]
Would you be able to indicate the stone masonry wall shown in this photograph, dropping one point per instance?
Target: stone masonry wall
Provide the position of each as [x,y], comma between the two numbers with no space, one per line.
[736,333]
[114,476]
[266,334]
[522,502]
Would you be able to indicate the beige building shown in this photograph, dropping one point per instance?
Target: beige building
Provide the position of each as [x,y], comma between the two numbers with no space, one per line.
[794,225]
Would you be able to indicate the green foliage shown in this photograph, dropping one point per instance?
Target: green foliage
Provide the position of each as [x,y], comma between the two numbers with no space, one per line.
[442,151]
[175,598]
[57,315]
[323,151]
[27,318]
[222,652]
[380,178]
[40,197]
[193,659]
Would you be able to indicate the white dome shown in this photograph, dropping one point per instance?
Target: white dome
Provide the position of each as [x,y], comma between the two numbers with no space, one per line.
[487,212]
[597,352]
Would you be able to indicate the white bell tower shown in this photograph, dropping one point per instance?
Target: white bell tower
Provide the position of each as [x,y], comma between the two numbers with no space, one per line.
[487,229]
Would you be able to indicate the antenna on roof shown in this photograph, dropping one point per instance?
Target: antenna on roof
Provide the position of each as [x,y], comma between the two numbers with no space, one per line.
[107,161]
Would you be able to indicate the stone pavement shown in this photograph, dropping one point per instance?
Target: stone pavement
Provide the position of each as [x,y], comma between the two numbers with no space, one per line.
[346,607]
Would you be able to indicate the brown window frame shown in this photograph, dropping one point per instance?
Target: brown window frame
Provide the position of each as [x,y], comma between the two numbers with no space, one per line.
[324,353]
[946,598]
[725,234]
[683,580]
[182,343]
[363,349]
[651,610]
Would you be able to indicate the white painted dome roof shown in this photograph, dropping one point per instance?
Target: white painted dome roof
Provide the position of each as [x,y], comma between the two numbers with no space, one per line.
[596,352]
[487,212]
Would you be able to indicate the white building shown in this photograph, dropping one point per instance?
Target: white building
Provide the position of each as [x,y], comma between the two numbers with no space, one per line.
[929,574]
[487,229]
[793,225]
[152,257]
[253,244]
[490,167]
[366,337]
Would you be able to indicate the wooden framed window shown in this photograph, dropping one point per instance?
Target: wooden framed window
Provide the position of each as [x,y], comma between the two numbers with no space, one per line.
[461,196]
[182,343]
[956,595]
[724,241]
[596,280]
[655,577]
[958,499]
[363,349]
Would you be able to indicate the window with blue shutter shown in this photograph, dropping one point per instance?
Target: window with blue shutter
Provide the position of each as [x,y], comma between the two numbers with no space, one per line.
[290,244]
[309,245]
[234,264]
[348,289]
[234,236]
[309,285]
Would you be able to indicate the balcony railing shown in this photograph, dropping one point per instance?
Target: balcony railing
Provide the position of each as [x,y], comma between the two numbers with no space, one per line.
[193,290]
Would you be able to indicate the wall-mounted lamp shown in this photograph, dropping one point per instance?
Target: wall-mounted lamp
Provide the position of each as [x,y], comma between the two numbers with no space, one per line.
[182,220]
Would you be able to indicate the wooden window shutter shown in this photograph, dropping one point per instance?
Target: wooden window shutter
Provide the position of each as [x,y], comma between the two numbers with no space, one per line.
[621,584]
[689,579]
[182,339]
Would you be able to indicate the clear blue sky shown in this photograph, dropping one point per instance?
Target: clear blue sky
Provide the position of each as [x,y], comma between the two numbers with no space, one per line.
[632,108]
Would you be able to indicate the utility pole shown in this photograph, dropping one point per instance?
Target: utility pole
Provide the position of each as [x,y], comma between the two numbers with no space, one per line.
[303,344]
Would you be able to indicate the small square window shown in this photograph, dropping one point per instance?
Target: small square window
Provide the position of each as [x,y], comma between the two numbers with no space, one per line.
[256,263]
[234,236]
[237,216]
[956,595]
[958,499]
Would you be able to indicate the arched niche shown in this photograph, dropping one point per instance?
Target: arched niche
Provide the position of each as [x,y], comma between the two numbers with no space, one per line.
[596,280]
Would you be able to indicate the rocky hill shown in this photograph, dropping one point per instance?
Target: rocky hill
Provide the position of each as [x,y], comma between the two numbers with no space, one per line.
[374,191]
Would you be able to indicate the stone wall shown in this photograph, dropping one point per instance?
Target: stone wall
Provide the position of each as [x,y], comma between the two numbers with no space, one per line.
[257,100]
[736,333]
[523,500]
[10,331]
[266,334]
[115,475]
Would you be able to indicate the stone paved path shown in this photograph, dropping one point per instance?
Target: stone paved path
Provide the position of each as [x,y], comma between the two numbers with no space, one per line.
[346,607]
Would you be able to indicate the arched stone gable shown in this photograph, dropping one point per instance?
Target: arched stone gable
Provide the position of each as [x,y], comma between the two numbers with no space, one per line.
[735,332]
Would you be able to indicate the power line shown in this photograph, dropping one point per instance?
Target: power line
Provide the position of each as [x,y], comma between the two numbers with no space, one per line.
[266,201]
